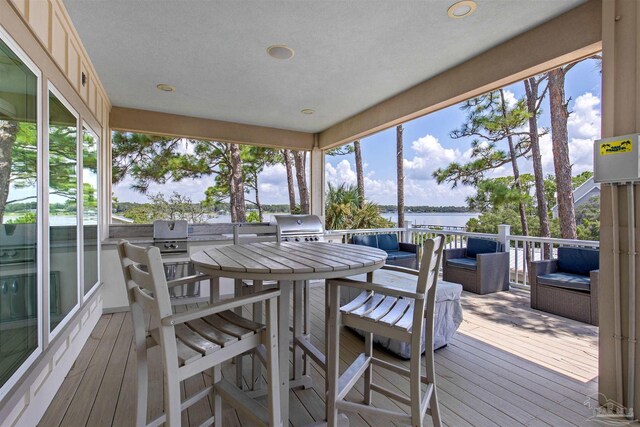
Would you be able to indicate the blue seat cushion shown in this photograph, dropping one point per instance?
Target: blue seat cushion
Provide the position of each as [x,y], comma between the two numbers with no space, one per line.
[481,246]
[388,242]
[578,260]
[576,282]
[392,255]
[466,263]
[370,240]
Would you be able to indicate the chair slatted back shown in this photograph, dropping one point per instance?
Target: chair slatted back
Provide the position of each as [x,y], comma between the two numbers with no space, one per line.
[146,282]
[245,233]
[426,286]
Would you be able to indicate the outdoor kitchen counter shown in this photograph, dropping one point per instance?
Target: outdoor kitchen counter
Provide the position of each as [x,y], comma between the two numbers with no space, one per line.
[148,240]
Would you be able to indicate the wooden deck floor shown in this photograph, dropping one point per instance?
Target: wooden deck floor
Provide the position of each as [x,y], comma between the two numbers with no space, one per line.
[507,366]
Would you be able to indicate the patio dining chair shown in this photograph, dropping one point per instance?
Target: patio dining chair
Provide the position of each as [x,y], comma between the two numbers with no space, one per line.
[253,233]
[394,312]
[194,341]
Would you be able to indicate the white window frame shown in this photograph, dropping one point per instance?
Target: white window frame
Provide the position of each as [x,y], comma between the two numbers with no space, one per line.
[41,218]
[94,287]
[79,243]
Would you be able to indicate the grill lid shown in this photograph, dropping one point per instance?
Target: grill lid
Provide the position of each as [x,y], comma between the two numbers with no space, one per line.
[299,224]
[169,230]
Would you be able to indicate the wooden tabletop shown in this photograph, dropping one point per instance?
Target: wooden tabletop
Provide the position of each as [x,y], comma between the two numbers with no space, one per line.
[289,260]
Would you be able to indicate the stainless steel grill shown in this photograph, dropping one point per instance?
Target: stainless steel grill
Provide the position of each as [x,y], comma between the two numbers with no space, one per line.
[300,228]
[170,236]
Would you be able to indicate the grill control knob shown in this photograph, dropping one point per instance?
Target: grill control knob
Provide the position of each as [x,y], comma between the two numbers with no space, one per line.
[297,239]
[306,239]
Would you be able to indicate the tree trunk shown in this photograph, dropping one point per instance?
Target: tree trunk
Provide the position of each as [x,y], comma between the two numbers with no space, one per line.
[8,132]
[301,176]
[400,174]
[292,191]
[237,186]
[258,204]
[516,172]
[531,88]
[359,172]
[561,162]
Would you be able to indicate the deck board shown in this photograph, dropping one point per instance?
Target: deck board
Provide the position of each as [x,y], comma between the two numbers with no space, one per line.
[507,366]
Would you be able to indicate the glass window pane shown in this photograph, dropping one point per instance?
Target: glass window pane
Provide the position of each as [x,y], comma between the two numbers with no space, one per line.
[90,208]
[63,210]
[18,213]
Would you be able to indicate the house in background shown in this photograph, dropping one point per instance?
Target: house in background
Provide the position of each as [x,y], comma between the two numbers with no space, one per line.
[582,194]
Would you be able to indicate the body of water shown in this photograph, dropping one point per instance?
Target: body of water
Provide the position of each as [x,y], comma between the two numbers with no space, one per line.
[430,218]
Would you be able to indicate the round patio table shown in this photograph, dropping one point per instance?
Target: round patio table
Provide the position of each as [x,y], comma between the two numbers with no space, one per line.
[292,264]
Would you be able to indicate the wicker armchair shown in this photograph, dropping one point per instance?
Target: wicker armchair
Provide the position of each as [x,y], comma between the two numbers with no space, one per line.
[481,267]
[567,286]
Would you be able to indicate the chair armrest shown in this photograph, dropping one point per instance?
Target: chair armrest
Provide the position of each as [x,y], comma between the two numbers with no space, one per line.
[547,266]
[454,253]
[408,247]
[400,269]
[219,306]
[186,280]
[376,287]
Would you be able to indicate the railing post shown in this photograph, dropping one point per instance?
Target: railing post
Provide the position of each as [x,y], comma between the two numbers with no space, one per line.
[504,231]
[408,234]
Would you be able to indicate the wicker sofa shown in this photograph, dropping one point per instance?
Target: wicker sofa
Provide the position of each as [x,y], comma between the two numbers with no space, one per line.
[567,286]
[481,267]
[398,253]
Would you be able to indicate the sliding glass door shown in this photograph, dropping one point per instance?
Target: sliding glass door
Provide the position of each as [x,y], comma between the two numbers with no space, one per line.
[19,208]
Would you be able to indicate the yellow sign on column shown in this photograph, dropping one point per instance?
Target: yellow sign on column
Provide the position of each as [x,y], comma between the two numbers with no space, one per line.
[616,147]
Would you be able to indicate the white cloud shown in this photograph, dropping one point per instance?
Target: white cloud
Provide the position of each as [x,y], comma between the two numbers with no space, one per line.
[430,155]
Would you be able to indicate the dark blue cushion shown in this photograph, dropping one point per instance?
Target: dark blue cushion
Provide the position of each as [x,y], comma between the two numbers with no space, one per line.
[466,263]
[481,246]
[388,242]
[370,240]
[400,255]
[575,282]
[578,260]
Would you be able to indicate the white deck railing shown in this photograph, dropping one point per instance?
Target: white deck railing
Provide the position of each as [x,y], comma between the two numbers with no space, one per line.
[522,249]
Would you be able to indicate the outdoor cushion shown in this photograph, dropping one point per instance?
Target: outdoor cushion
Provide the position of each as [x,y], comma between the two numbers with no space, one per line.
[370,240]
[388,242]
[578,260]
[400,255]
[575,282]
[466,263]
[481,246]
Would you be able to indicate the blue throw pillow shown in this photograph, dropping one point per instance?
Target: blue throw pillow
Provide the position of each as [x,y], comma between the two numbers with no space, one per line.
[477,246]
[388,242]
[578,260]
[370,240]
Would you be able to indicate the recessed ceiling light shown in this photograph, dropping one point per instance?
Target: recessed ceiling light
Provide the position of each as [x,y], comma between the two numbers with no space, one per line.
[165,87]
[307,111]
[280,51]
[462,9]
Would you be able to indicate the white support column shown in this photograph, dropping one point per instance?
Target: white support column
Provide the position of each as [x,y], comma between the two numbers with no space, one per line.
[317,182]
[618,379]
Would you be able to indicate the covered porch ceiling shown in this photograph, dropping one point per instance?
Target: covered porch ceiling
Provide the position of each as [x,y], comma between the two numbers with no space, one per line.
[361,65]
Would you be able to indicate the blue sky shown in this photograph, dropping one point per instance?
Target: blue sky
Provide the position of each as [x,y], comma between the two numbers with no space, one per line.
[427,146]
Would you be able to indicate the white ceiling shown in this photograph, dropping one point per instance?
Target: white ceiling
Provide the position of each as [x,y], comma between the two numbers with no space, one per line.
[349,54]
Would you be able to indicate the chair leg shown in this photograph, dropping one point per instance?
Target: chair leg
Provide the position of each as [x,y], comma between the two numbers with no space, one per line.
[333,354]
[273,375]
[368,351]
[217,400]
[256,367]
[238,311]
[172,399]
[142,370]
[435,408]
[415,385]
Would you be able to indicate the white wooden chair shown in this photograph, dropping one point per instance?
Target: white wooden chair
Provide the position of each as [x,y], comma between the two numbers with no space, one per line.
[253,233]
[194,341]
[394,312]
